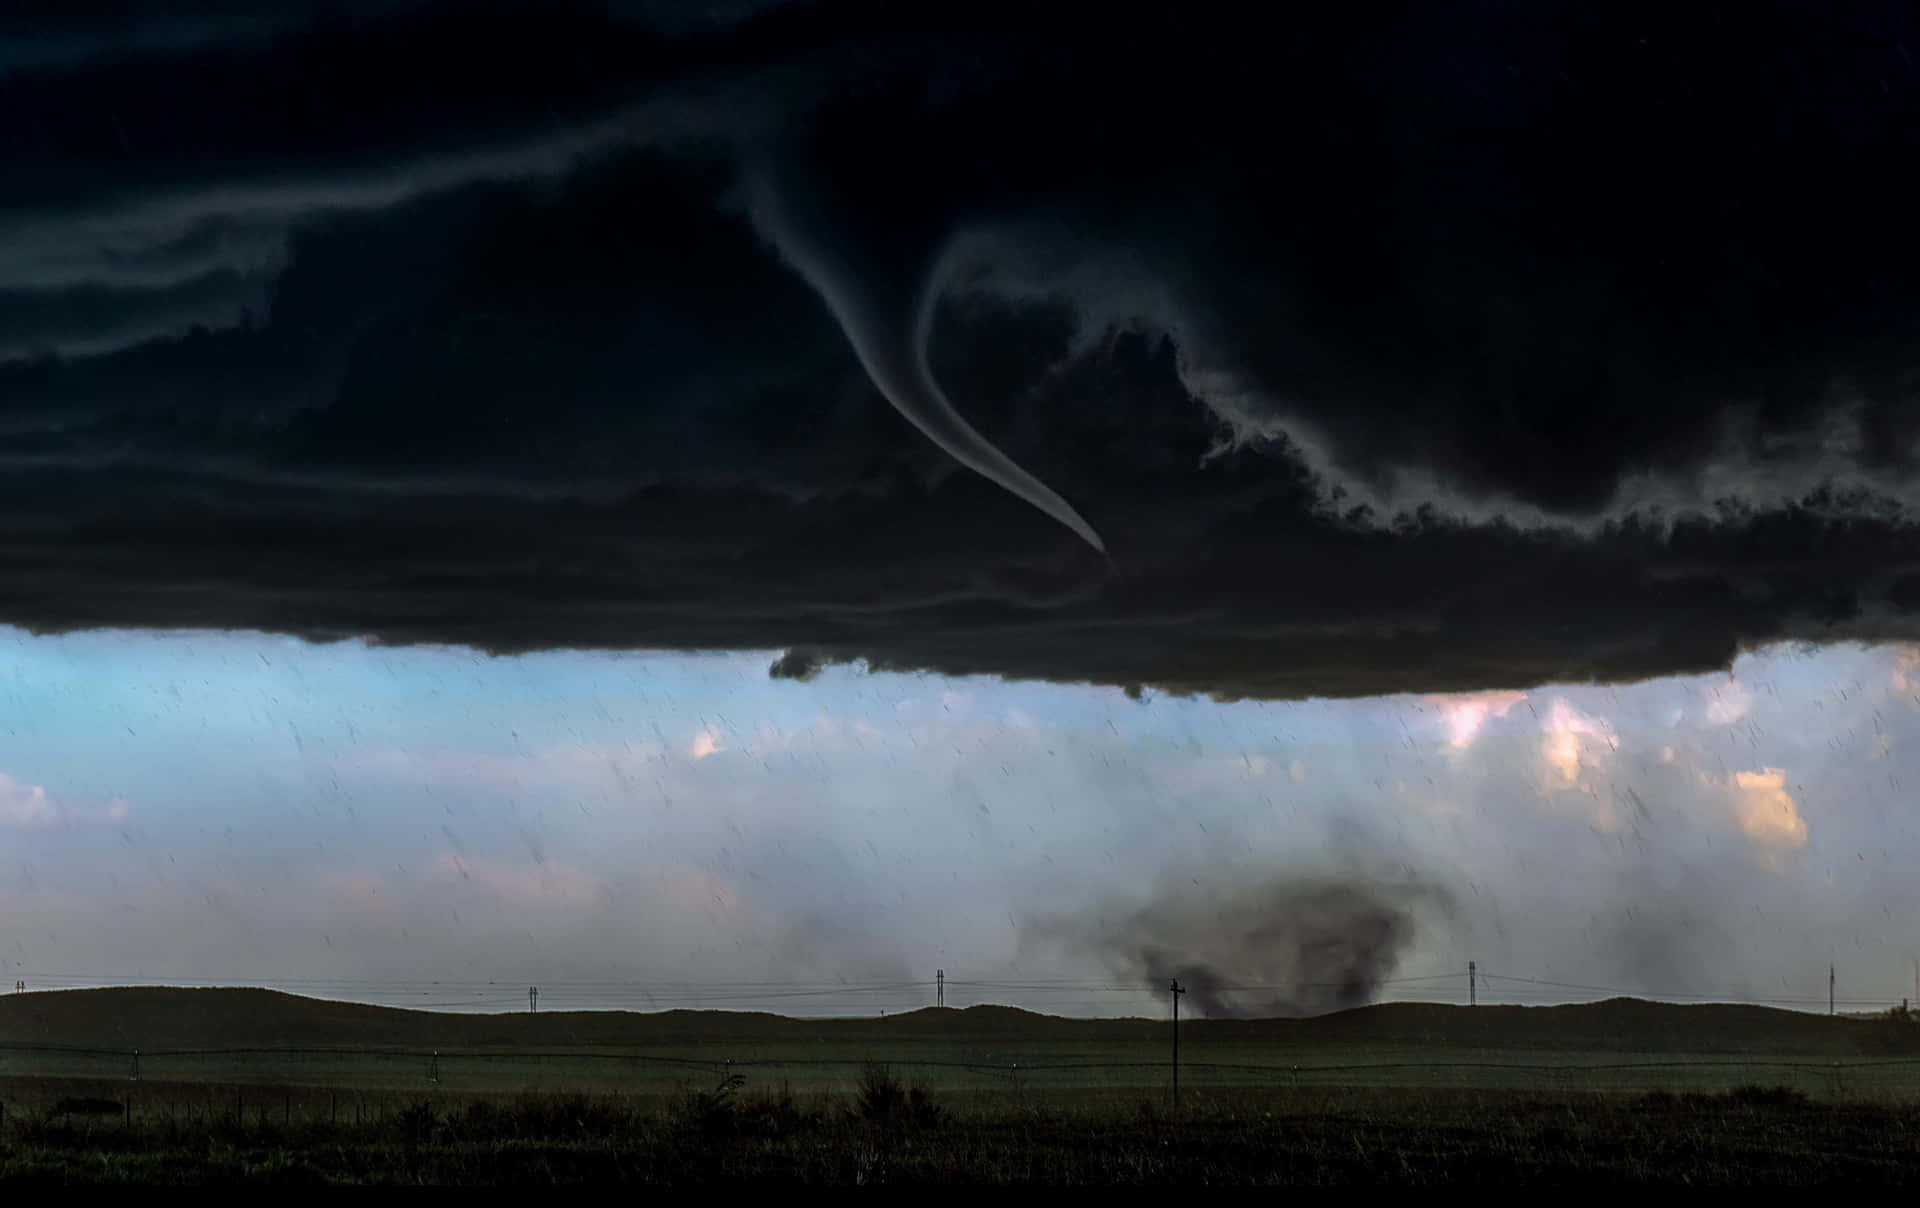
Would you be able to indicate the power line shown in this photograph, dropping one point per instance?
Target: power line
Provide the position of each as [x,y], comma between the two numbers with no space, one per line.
[1721,996]
[847,997]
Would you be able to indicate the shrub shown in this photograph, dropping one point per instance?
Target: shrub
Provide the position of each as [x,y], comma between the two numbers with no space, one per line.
[714,1113]
[884,1100]
[542,1116]
[1751,1095]
[416,1123]
[777,1115]
[1767,1096]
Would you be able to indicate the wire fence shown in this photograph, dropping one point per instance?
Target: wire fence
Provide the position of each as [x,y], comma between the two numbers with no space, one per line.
[484,1072]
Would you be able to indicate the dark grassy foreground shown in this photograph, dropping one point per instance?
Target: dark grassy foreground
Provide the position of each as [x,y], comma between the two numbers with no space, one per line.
[888,1133]
[250,1086]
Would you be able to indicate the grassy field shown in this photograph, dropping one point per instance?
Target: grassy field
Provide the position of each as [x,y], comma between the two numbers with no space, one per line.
[1405,1137]
[248,1084]
[262,1037]
[159,1018]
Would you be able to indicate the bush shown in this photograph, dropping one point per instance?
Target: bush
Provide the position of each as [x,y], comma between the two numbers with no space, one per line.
[777,1116]
[1751,1095]
[416,1123]
[886,1101]
[535,1116]
[714,1113]
[1768,1096]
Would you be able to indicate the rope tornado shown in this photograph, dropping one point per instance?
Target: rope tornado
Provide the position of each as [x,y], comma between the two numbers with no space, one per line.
[889,334]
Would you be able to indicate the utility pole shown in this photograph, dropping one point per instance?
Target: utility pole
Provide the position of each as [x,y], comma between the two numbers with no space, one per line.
[939,987]
[1473,984]
[533,999]
[1829,989]
[1175,989]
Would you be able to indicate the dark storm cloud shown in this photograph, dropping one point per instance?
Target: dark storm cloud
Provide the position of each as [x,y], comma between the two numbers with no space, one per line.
[1447,348]
[41,34]
[95,317]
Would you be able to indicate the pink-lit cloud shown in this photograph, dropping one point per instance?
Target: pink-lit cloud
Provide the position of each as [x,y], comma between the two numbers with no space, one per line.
[1578,749]
[1905,671]
[1767,812]
[1575,744]
[1464,713]
[25,806]
[29,807]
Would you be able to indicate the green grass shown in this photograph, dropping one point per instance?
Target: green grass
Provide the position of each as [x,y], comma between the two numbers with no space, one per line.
[221,1036]
[161,1018]
[243,1085]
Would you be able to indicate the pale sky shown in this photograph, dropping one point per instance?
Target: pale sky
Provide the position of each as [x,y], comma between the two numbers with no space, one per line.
[436,827]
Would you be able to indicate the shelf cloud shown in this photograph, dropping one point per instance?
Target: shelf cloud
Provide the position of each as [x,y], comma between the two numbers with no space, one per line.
[1450,349]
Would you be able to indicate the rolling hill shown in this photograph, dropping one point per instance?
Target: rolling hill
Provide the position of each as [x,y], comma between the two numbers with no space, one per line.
[156,1019]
